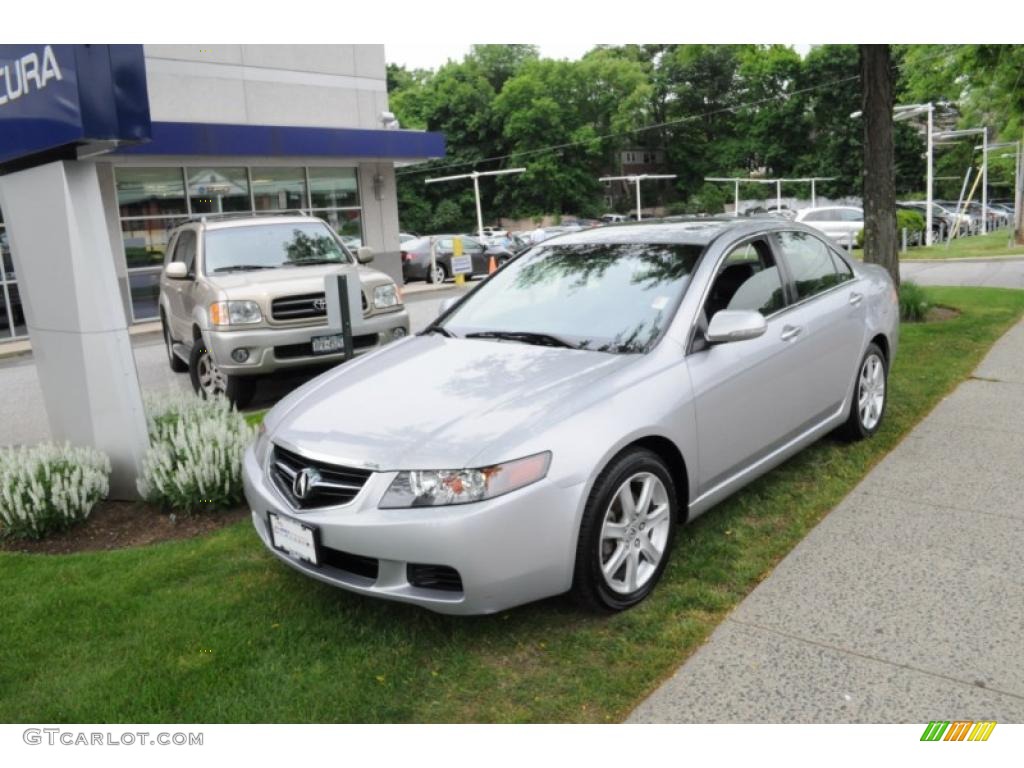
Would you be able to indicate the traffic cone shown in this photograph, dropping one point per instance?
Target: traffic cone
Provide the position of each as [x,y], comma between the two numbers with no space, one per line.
[492,266]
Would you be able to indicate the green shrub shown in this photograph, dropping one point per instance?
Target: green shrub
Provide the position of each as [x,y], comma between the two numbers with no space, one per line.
[912,221]
[195,455]
[47,488]
[914,304]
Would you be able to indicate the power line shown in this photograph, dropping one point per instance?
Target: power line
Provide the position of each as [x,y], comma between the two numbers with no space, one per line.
[428,168]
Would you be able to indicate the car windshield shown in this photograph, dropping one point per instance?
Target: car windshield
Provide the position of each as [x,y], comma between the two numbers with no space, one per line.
[268,246]
[603,297]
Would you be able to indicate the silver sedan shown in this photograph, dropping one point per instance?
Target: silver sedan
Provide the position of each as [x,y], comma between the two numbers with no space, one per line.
[550,431]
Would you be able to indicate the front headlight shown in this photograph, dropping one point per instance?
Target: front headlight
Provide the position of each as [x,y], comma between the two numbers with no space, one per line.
[235,313]
[385,296]
[441,487]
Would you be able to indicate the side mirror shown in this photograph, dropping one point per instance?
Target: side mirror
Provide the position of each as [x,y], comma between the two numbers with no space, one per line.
[176,270]
[447,304]
[364,254]
[735,325]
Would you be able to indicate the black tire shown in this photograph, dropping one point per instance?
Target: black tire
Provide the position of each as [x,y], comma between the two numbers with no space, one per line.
[177,364]
[440,277]
[238,389]
[857,427]
[591,587]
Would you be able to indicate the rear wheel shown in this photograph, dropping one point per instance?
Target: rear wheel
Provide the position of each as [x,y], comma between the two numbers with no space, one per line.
[437,274]
[870,394]
[626,533]
[209,381]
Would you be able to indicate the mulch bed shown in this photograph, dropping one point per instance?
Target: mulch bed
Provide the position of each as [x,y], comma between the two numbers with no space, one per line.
[122,524]
[938,314]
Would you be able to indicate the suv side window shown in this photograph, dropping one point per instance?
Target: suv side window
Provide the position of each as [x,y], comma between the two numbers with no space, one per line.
[185,250]
[810,263]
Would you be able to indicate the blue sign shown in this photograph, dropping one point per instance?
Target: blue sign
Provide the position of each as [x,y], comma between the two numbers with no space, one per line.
[59,100]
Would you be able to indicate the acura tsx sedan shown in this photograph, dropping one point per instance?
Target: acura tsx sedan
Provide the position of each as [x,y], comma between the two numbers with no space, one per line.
[550,431]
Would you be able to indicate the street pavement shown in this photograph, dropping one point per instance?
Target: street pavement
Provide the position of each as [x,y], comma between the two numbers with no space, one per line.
[994,273]
[23,416]
[906,603]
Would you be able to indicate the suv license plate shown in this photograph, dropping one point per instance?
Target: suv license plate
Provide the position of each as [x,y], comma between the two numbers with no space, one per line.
[326,345]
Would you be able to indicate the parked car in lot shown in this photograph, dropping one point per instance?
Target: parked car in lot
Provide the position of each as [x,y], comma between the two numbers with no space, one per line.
[417,264]
[842,223]
[244,297]
[571,412]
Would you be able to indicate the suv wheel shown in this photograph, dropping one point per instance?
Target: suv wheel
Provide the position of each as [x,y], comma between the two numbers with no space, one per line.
[177,364]
[627,531]
[438,274]
[209,381]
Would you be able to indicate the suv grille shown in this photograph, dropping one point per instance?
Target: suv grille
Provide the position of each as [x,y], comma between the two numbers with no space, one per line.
[336,485]
[305,306]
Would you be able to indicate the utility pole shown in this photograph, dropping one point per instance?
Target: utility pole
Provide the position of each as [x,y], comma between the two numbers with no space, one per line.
[636,179]
[475,176]
[879,182]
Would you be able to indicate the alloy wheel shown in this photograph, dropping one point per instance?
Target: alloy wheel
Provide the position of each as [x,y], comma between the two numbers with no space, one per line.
[634,533]
[211,380]
[438,274]
[871,392]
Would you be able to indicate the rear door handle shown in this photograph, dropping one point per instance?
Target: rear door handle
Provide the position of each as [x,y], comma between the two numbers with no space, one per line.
[790,332]
[856,298]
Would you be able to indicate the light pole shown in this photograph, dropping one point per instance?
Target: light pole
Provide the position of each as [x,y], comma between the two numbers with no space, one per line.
[475,176]
[636,179]
[984,165]
[1016,174]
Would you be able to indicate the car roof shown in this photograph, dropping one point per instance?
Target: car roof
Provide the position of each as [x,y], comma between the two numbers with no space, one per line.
[695,232]
[251,221]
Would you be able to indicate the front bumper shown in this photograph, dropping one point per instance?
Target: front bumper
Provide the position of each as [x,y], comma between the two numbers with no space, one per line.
[264,344]
[510,550]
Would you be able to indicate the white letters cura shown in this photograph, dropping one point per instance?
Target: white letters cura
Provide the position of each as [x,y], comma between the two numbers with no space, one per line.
[20,77]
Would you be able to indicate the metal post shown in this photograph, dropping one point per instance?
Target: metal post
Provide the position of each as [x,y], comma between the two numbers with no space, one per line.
[736,212]
[479,213]
[346,316]
[984,181]
[904,234]
[931,150]
[778,196]
[814,197]
[1018,192]
[639,215]
[433,257]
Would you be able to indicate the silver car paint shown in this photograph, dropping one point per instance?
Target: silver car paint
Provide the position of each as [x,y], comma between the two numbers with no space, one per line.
[732,412]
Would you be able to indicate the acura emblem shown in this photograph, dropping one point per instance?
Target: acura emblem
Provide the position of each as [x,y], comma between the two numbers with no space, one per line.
[319,304]
[304,482]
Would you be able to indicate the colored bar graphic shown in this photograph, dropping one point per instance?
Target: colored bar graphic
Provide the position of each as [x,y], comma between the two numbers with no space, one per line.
[958,730]
[934,730]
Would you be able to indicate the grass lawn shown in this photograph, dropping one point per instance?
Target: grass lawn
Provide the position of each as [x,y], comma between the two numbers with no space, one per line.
[992,244]
[215,629]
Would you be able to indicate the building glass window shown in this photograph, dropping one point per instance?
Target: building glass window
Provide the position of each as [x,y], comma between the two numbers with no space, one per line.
[150,192]
[12,315]
[218,190]
[279,189]
[333,188]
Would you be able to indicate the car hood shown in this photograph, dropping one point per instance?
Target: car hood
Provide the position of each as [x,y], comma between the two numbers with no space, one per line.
[432,402]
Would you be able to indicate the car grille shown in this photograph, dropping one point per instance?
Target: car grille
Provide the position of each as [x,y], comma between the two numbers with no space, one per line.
[291,351]
[336,486]
[367,567]
[440,577]
[305,306]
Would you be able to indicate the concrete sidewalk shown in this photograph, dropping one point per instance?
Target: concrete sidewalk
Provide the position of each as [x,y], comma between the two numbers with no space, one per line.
[906,603]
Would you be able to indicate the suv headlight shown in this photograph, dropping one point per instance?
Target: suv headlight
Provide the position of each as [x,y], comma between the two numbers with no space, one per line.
[385,296]
[441,487]
[235,313]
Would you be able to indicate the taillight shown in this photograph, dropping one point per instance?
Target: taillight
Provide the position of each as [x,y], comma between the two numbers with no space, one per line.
[406,256]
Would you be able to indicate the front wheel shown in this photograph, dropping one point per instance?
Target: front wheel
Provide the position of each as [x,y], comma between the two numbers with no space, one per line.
[437,274]
[627,531]
[870,394]
[209,381]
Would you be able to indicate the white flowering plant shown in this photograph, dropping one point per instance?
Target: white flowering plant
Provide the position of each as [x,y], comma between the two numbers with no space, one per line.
[195,453]
[48,487]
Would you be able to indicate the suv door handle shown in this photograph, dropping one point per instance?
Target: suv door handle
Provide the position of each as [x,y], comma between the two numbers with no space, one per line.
[790,332]
[856,298]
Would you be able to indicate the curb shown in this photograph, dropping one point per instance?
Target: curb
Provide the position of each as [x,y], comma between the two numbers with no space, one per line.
[965,259]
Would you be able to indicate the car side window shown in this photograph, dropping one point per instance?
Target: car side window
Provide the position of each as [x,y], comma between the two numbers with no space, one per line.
[843,270]
[810,263]
[748,279]
[185,250]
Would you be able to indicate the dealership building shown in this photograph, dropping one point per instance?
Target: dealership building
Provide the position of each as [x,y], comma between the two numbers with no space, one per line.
[239,128]
[104,149]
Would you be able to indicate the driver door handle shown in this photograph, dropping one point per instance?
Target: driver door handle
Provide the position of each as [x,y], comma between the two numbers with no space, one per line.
[856,298]
[790,332]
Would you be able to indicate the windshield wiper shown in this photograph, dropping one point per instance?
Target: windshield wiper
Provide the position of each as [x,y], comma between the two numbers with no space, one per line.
[526,337]
[242,267]
[313,262]
[440,329]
